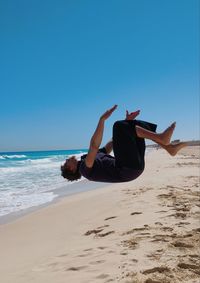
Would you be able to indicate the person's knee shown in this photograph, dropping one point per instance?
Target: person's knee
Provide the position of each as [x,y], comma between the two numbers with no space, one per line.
[124,124]
[118,124]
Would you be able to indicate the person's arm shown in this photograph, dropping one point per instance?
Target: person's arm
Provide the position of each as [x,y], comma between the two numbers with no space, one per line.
[96,139]
[109,147]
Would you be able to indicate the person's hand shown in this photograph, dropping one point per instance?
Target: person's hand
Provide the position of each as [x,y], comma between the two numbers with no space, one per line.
[132,115]
[108,113]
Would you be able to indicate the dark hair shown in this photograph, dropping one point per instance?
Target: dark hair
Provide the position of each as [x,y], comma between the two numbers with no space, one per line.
[69,175]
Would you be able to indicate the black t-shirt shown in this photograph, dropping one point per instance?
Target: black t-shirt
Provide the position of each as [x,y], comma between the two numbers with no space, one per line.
[105,170]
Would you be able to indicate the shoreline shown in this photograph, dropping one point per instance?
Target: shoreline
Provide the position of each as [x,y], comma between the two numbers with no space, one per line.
[60,193]
[73,189]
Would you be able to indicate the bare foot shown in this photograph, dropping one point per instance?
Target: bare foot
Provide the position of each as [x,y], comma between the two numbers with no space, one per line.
[132,115]
[173,149]
[165,136]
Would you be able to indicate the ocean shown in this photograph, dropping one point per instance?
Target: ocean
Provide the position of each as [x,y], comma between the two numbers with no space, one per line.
[29,179]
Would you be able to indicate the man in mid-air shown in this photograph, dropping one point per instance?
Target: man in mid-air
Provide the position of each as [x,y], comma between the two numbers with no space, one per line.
[128,145]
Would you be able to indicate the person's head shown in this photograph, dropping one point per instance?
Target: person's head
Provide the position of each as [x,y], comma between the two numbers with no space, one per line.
[70,170]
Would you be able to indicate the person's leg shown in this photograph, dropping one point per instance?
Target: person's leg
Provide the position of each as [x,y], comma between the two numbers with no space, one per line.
[129,149]
[173,149]
[161,138]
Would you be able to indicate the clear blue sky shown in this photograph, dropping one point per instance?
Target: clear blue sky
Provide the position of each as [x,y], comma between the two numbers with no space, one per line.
[63,63]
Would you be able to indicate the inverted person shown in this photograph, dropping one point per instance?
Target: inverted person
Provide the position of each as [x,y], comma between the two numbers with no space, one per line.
[128,145]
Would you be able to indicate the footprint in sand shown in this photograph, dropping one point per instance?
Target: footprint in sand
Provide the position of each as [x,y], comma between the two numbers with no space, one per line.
[167,228]
[111,217]
[123,253]
[135,213]
[171,187]
[160,269]
[158,223]
[149,280]
[191,267]
[102,248]
[131,243]
[102,276]
[186,209]
[174,235]
[178,215]
[192,177]
[53,264]
[187,235]
[87,250]
[196,230]
[183,223]
[195,256]
[178,244]
[104,226]
[165,196]
[63,255]
[94,231]
[145,234]
[104,234]
[156,255]
[83,255]
[135,230]
[97,262]
[186,164]
[160,238]
[76,268]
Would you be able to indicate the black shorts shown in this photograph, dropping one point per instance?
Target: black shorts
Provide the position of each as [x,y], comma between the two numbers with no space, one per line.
[129,149]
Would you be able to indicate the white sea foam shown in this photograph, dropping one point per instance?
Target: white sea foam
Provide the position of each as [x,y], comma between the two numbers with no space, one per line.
[29,182]
[41,161]
[14,156]
[15,202]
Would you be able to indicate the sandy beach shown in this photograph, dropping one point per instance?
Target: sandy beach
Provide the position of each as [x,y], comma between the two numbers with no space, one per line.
[147,230]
